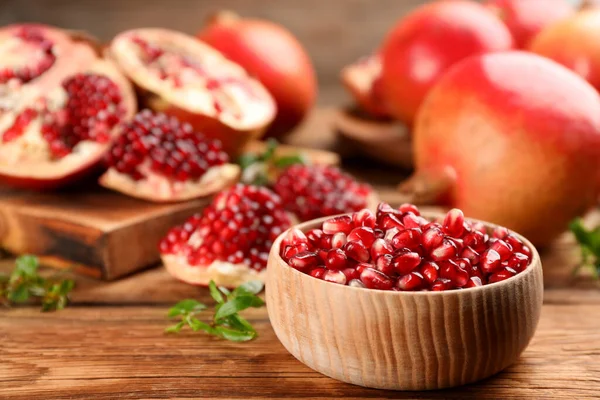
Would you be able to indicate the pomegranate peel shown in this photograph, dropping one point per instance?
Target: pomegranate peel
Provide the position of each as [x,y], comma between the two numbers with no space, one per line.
[181,76]
[363,80]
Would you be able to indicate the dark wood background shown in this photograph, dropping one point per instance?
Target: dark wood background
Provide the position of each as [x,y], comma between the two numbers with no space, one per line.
[335,32]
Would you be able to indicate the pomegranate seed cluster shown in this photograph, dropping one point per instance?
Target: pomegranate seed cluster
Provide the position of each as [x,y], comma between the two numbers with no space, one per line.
[316,191]
[45,58]
[171,148]
[398,249]
[239,226]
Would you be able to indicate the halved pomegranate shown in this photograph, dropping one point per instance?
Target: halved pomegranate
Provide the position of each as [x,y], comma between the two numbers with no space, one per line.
[159,158]
[181,76]
[363,80]
[60,106]
[229,241]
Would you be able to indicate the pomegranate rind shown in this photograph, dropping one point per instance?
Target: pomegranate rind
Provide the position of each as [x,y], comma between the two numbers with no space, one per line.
[160,189]
[360,79]
[192,104]
[222,273]
[86,155]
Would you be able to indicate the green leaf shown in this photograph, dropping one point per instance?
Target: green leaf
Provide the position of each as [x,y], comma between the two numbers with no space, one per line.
[185,307]
[197,325]
[270,151]
[175,328]
[26,266]
[66,286]
[19,294]
[239,323]
[224,290]
[238,304]
[252,287]
[234,335]
[214,292]
[286,161]
[247,160]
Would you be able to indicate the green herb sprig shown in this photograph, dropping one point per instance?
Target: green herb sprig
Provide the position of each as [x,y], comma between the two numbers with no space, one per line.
[589,240]
[25,283]
[258,167]
[226,322]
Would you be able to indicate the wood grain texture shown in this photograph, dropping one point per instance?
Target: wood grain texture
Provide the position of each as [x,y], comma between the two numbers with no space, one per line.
[403,340]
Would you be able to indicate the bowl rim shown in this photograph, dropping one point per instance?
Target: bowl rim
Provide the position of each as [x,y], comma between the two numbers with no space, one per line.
[535,263]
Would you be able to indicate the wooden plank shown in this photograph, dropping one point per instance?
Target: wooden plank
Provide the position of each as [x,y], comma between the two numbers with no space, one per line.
[121,352]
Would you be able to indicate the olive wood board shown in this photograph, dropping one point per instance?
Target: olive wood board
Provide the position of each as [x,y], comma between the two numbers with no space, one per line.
[100,233]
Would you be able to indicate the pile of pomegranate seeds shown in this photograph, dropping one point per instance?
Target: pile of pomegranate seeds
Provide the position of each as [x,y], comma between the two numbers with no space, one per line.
[239,226]
[397,249]
[313,191]
[166,146]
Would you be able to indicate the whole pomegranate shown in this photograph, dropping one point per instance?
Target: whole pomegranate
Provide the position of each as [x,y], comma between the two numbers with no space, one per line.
[573,42]
[60,106]
[181,76]
[526,18]
[423,44]
[159,158]
[512,138]
[272,54]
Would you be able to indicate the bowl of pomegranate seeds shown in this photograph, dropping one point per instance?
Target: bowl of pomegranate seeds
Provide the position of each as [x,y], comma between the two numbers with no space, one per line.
[396,299]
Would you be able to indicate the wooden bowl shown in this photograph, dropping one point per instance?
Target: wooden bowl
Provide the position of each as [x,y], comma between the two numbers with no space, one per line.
[403,340]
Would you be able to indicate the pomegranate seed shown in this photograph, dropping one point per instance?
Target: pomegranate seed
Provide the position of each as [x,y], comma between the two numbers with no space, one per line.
[356,283]
[475,240]
[390,221]
[518,262]
[390,233]
[314,237]
[445,251]
[412,281]
[304,260]
[326,241]
[317,272]
[291,251]
[374,279]
[406,262]
[335,277]
[440,285]
[458,242]
[470,255]
[453,223]
[379,248]
[294,237]
[409,239]
[502,275]
[338,240]
[479,227]
[413,221]
[385,209]
[336,259]
[451,271]
[525,250]
[384,264]
[409,208]
[351,273]
[363,234]
[342,223]
[429,270]
[514,243]
[501,232]
[490,261]
[474,281]
[364,217]
[432,238]
[360,267]
[502,248]
[357,251]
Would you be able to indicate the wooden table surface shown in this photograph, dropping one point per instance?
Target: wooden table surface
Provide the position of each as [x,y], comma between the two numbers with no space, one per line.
[109,344]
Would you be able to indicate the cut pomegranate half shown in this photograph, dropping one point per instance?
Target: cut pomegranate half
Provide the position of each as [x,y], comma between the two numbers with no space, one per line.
[229,242]
[362,80]
[60,106]
[158,158]
[182,76]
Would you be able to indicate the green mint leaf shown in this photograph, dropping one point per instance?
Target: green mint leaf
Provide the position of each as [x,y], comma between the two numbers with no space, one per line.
[26,266]
[197,325]
[252,287]
[247,160]
[270,151]
[19,294]
[214,292]
[224,290]
[238,304]
[175,328]
[234,335]
[66,286]
[286,161]
[260,180]
[186,306]
[239,323]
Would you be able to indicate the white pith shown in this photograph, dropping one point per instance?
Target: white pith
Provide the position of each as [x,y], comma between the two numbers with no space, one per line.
[360,75]
[222,272]
[244,107]
[156,187]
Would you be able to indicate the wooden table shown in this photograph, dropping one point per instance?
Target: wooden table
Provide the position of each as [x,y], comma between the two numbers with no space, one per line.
[109,344]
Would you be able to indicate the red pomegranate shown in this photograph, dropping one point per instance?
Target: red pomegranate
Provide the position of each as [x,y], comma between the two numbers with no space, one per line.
[229,241]
[178,75]
[573,42]
[363,80]
[526,18]
[512,138]
[159,158]
[423,44]
[60,106]
[272,54]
